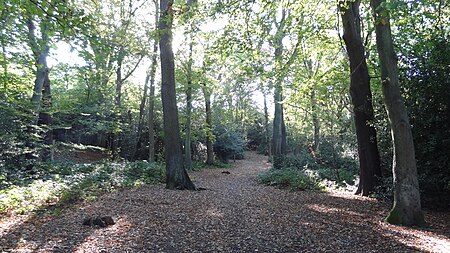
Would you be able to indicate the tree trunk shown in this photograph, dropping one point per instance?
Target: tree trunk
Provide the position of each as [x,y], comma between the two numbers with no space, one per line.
[267,131]
[151,97]
[41,98]
[315,120]
[369,160]
[407,208]
[151,108]
[40,50]
[118,103]
[137,147]
[187,144]
[176,175]
[45,119]
[279,128]
[209,132]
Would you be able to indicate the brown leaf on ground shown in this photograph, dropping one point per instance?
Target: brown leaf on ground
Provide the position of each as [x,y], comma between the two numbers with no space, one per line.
[235,214]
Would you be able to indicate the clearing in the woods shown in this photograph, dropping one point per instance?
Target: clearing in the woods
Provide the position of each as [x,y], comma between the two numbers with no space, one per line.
[234,214]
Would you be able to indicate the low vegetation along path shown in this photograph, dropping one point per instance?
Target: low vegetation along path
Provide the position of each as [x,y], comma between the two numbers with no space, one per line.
[234,214]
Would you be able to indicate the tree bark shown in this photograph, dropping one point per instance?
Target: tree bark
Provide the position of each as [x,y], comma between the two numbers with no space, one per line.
[41,98]
[315,120]
[267,131]
[279,129]
[45,119]
[176,175]
[209,132]
[187,144]
[407,207]
[151,108]
[151,96]
[137,147]
[40,51]
[369,160]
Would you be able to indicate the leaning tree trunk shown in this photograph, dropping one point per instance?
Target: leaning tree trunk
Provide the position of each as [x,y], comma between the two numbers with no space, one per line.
[41,98]
[369,160]
[407,208]
[176,175]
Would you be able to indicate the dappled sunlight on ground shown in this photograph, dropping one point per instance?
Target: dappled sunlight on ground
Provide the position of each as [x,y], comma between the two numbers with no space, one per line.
[423,240]
[233,214]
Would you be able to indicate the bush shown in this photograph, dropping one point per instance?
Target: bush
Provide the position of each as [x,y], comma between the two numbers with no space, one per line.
[61,183]
[293,179]
[229,144]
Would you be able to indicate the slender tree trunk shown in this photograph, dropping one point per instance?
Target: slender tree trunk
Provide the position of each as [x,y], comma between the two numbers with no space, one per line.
[407,208]
[187,144]
[151,108]
[137,147]
[176,175]
[267,130]
[118,103]
[209,132]
[151,97]
[369,161]
[315,120]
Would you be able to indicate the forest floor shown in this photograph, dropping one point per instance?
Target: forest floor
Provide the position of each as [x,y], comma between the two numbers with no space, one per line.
[234,214]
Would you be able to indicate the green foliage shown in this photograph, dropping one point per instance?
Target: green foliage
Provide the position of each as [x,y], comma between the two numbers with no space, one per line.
[229,144]
[62,183]
[293,179]
[427,86]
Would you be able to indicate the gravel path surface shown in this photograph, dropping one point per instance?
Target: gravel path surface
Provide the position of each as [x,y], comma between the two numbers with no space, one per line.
[234,214]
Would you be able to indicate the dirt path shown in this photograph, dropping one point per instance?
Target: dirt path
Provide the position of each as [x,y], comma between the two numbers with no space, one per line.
[235,214]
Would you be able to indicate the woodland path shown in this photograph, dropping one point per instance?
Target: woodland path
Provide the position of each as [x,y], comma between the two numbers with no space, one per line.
[234,214]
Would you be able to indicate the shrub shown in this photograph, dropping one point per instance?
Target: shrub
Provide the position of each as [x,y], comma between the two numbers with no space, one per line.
[293,179]
[61,183]
[229,144]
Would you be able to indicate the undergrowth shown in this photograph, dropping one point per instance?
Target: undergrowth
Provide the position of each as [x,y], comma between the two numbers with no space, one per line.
[293,179]
[62,183]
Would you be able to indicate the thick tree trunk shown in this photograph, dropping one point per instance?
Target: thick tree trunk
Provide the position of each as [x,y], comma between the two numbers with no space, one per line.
[176,175]
[369,161]
[45,119]
[407,208]
[279,130]
[41,98]
[277,138]
[209,132]
[40,50]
